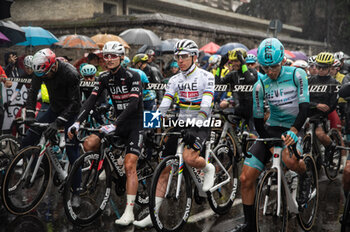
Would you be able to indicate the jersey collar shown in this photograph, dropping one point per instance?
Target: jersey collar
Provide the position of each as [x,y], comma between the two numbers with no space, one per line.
[189,71]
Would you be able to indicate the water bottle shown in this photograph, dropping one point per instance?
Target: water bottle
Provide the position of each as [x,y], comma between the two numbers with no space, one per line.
[56,151]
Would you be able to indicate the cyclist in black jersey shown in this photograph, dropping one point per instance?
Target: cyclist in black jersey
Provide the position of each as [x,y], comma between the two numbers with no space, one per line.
[240,75]
[124,88]
[323,103]
[62,82]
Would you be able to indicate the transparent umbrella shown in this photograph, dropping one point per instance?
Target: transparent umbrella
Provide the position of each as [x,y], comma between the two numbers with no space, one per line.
[140,36]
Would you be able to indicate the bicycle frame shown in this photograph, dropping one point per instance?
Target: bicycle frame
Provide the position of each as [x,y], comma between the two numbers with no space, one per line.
[44,144]
[193,171]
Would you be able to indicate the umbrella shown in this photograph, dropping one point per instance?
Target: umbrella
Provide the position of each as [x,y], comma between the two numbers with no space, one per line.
[299,55]
[38,36]
[76,41]
[140,36]
[12,31]
[101,39]
[229,46]
[4,41]
[210,48]
[253,51]
[165,47]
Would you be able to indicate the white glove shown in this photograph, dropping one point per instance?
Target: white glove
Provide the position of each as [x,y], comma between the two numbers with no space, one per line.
[107,129]
[76,126]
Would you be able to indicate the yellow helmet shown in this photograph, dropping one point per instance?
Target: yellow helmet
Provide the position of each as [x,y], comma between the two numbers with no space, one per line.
[325,59]
[233,56]
[140,58]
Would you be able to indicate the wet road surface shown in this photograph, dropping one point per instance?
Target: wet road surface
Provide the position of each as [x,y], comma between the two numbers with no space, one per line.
[50,216]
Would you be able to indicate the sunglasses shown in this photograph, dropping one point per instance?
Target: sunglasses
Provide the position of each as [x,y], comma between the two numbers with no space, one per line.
[272,67]
[182,57]
[110,56]
[321,67]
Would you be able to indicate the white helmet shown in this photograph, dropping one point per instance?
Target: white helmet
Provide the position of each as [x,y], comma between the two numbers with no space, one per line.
[311,60]
[300,64]
[339,55]
[215,59]
[186,46]
[113,47]
[28,61]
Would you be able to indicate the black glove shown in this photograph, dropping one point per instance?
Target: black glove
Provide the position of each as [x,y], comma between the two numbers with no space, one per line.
[30,118]
[224,60]
[240,57]
[190,138]
[51,131]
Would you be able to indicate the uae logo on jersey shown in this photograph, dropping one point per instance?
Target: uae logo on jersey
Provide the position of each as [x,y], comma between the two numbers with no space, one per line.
[151,119]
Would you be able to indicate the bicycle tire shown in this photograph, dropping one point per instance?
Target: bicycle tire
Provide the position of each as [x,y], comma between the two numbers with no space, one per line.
[26,193]
[167,219]
[9,146]
[264,189]
[229,140]
[332,170]
[306,222]
[346,215]
[88,188]
[221,200]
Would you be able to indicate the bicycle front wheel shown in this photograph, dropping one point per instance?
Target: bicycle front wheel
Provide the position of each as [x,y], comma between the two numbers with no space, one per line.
[173,212]
[332,169]
[87,185]
[22,193]
[266,204]
[9,147]
[307,213]
[222,199]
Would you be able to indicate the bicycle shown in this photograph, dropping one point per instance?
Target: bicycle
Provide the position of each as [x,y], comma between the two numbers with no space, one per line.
[313,146]
[94,192]
[174,212]
[28,175]
[276,196]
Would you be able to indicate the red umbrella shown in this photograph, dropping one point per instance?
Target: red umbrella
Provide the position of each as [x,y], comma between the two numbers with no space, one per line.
[210,48]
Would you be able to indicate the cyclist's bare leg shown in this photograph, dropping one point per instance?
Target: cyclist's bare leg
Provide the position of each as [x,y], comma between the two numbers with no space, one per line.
[130,164]
[322,136]
[92,143]
[248,181]
[292,162]
[192,158]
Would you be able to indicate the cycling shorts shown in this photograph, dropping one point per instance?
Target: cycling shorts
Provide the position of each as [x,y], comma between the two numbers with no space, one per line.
[260,152]
[132,137]
[172,141]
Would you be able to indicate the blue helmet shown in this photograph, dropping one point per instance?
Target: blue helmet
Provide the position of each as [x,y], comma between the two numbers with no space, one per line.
[174,64]
[88,70]
[125,62]
[251,59]
[270,52]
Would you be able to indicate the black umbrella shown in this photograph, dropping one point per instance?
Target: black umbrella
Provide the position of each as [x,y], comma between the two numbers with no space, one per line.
[5,6]
[12,31]
[167,46]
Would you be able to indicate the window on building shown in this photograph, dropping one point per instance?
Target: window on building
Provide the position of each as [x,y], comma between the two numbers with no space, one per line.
[109,8]
[133,11]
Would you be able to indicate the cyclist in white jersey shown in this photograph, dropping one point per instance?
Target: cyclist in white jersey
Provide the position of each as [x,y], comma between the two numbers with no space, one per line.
[195,89]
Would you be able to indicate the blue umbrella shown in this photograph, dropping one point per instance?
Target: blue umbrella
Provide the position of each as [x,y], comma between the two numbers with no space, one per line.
[229,46]
[38,36]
